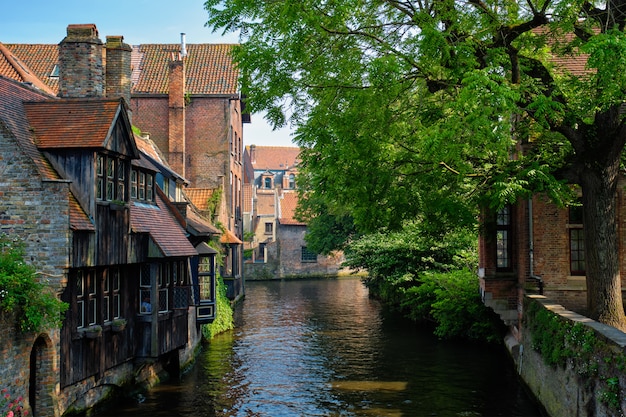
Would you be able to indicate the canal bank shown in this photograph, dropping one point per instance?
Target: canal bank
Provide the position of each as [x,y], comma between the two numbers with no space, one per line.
[573,365]
[325,348]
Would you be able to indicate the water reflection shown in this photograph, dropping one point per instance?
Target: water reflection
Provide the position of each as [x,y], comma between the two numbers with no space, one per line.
[323,348]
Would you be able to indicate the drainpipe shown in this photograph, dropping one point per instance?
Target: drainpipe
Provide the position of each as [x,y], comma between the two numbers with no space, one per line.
[531,247]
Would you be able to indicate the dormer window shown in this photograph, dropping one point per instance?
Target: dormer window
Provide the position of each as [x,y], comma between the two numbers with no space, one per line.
[142,185]
[268,183]
[111,178]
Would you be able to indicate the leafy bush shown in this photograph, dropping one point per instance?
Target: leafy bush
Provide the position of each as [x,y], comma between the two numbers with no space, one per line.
[427,276]
[452,301]
[224,313]
[36,304]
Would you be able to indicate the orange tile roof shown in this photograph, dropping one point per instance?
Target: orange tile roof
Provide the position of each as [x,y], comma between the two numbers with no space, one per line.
[163,227]
[79,220]
[288,204]
[230,238]
[274,157]
[209,68]
[199,197]
[72,123]
[38,58]
[247,197]
[13,117]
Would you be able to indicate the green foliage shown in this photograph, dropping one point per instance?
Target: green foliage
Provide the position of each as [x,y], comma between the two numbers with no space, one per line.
[33,303]
[224,313]
[427,277]
[452,301]
[427,109]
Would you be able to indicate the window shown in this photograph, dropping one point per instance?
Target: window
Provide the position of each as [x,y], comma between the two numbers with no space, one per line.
[269,228]
[307,256]
[111,301]
[292,181]
[142,185]
[503,238]
[173,289]
[110,178]
[80,300]
[268,183]
[133,184]
[576,241]
[145,306]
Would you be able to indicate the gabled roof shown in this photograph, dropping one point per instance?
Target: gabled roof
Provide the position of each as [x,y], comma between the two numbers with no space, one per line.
[209,68]
[164,229]
[77,123]
[199,197]
[13,67]
[13,117]
[79,220]
[276,158]
[288,204]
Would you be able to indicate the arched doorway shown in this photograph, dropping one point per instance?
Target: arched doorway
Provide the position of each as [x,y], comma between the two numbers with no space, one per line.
[40,381]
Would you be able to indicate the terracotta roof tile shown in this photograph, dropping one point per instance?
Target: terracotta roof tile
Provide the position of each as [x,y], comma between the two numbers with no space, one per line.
[78,218]
[209,68]
[229,237]
[199,197]
[13,117]
[41,59]
[288,204]
[247,197]
[274,157]
[71,123]
[163,227]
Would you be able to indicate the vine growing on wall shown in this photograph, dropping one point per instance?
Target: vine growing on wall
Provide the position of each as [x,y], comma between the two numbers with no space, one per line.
[564,343]
[34,304]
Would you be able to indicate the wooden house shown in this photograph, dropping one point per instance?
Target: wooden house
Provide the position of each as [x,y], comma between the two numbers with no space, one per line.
[105,224]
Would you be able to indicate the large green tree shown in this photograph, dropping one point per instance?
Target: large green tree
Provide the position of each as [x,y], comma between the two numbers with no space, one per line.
[418,106]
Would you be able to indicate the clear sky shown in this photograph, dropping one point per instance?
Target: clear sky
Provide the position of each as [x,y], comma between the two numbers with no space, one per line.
[139,21]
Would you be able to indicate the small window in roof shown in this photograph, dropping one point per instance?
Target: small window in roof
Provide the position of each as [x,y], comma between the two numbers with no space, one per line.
[55,71]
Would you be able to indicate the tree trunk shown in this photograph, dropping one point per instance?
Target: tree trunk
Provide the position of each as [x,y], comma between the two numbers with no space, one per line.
[604,290]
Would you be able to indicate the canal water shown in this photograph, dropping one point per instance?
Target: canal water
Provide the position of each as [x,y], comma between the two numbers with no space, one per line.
[324,348]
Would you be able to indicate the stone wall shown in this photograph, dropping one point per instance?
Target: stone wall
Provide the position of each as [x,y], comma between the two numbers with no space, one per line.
[573,365]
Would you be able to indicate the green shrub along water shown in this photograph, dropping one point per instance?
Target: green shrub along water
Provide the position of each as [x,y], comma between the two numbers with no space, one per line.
[429,278]
[224,313]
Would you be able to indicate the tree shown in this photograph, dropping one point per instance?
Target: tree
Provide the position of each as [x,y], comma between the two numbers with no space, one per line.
[406,106]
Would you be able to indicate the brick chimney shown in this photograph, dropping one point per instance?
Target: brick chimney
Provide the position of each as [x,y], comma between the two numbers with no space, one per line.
[80,63]
[176,97]
[253,154]
[118,68]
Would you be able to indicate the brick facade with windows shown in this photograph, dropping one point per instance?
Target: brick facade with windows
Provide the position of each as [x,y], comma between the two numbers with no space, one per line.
[546,257]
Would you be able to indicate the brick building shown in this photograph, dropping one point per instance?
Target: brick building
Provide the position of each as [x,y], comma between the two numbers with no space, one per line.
[185,98]
[277,244]
[103,222]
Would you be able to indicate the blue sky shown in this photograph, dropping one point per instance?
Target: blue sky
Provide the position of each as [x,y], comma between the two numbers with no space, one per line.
[139,21]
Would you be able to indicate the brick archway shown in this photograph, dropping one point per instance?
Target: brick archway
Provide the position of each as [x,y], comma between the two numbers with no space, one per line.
[41,381]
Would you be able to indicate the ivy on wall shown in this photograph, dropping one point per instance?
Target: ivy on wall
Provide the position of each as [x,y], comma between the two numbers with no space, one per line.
[567,344]
[21,293]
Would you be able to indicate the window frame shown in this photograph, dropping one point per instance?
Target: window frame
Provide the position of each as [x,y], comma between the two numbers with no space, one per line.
[504,239]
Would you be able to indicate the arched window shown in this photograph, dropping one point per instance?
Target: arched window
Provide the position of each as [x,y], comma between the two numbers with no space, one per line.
[268,182]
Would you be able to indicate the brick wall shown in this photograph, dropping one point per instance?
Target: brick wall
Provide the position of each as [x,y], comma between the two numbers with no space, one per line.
[81,72]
